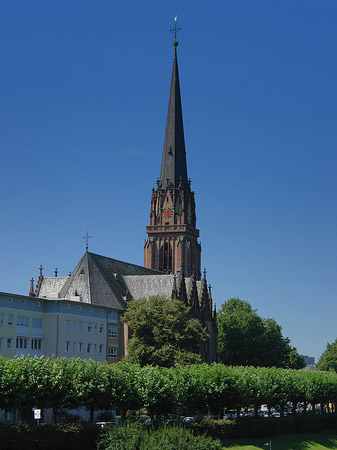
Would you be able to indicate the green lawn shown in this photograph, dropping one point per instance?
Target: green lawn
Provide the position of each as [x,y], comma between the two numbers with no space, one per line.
[305,441]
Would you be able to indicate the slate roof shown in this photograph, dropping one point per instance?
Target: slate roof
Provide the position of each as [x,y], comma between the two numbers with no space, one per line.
[145,286]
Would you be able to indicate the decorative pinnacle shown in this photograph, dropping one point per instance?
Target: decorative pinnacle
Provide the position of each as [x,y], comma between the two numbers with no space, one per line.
[175,30]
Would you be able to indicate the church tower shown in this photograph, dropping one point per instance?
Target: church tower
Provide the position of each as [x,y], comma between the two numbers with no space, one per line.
[172,245]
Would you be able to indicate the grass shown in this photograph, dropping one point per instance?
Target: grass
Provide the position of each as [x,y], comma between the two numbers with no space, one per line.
[305,441]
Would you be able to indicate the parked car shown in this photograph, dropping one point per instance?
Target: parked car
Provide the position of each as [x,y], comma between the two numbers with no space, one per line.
[188,419]
[112,422]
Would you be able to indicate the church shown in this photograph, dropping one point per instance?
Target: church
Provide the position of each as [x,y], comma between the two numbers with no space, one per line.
[172,253]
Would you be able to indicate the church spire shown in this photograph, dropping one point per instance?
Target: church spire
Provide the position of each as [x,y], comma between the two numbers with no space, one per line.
[172,234]
[173,166]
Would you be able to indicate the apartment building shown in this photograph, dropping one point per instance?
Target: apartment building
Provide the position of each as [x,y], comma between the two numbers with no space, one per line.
[64,328]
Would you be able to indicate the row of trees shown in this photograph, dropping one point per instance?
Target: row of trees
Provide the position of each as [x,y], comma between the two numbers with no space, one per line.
[59,383]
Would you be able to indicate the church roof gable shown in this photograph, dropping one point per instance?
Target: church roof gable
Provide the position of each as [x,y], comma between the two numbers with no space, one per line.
[98,279]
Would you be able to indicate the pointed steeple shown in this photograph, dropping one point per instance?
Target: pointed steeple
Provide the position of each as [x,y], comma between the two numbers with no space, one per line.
[173,166]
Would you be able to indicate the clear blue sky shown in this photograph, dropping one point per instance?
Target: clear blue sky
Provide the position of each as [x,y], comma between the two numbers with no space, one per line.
[83,98]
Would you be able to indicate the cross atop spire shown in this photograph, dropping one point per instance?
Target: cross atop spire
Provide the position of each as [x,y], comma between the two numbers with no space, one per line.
[175,30]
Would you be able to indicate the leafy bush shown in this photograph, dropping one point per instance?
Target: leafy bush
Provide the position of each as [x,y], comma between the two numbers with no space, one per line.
[133,437]
[222,429]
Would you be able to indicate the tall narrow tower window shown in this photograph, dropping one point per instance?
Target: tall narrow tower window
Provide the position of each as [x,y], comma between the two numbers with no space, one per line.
[165,258]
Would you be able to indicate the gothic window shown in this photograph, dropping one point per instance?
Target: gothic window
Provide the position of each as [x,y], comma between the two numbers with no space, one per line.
[165,258]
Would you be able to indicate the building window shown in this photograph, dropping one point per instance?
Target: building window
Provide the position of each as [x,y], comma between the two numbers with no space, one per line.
[95,349]
[21,342]
[101,328]
[22,321]
[95,328]
[74,347]
[37,322]
[9,343]
[100,348]
[112,351]
[89,327]
[10,320]
[1,343]
[80,325]
[67,347]
[2,319]
[36,344]
[89,348]
[113,332]
[68,325]
[74,325]
[80,347]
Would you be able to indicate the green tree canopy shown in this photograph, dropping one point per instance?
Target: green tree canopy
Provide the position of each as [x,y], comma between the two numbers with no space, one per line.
[247,339]
[163,333]
[328,359]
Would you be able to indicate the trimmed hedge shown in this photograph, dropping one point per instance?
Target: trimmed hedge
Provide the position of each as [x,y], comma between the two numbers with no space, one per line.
[264,426]
[20,436]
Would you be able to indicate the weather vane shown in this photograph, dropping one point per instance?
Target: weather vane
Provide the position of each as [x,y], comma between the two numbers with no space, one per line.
[87,237]
[175,29]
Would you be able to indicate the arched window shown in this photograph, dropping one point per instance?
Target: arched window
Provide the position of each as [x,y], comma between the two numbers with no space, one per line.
[165,258]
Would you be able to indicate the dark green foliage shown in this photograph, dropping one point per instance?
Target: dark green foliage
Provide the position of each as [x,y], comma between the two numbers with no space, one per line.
[133,437]
[125,437]
[263,427]
[19,436]
[16,436]
[328,359]
[246,339]
[163,333]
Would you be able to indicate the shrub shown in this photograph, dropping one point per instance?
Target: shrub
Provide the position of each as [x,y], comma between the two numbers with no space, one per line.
[132,437]
[222,429]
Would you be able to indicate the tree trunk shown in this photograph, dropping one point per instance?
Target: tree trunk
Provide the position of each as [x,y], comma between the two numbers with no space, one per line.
[123,415]
[282,410]
[92,415]
[256,407]
[294,407]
